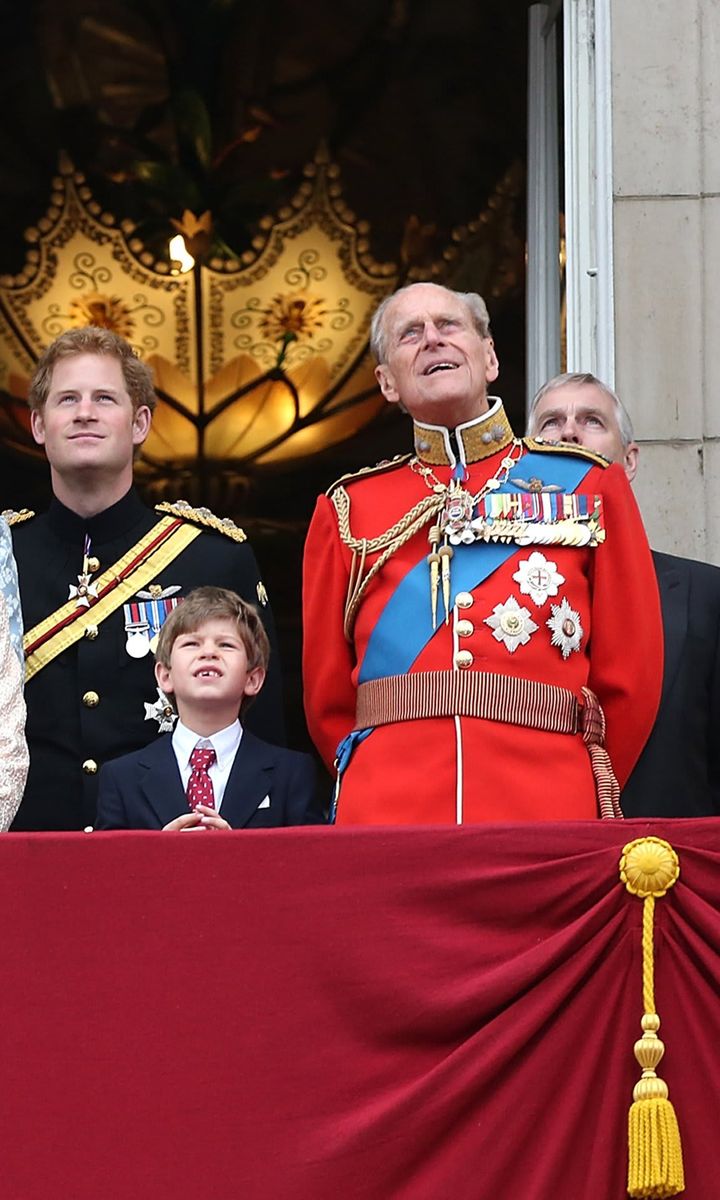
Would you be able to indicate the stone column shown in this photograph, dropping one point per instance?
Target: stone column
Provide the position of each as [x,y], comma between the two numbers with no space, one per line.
[666,215]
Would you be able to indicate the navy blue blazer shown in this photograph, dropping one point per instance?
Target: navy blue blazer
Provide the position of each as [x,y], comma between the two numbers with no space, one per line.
[144,790]
[678,772]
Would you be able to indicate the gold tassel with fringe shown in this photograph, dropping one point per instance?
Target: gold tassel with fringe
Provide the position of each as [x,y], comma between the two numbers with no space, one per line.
[649,867]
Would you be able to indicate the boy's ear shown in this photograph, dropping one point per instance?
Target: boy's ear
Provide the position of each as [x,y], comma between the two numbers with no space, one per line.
[254,681]
[163,675]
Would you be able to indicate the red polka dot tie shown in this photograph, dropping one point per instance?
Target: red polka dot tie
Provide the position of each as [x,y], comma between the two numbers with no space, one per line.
[200,788]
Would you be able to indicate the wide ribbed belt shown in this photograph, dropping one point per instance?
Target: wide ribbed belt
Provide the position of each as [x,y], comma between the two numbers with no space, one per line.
[428,694]
[458,694]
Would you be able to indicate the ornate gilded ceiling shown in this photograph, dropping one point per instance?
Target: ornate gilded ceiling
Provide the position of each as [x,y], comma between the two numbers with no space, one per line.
[174,110]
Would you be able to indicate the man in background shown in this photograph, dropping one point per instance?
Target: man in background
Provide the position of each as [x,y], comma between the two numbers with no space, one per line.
[678,773]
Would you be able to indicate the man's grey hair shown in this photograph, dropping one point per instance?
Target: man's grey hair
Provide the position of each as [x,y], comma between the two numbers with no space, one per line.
[473,302]
[577,379]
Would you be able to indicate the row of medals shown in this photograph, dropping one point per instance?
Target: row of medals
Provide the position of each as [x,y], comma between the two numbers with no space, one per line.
[141,636]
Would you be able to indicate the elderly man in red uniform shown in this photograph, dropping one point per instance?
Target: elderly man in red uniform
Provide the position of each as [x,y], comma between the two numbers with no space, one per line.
[482,624]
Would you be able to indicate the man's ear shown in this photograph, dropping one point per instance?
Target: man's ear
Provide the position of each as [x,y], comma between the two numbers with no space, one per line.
[630,460]
[254,681]
[141,424]
[493,366]
[387,383]
[37,426]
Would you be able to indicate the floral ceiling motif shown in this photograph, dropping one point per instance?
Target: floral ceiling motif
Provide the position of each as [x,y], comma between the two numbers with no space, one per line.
[255,360]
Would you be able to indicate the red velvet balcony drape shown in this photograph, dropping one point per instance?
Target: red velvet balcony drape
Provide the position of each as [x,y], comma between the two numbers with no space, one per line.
[414,1014]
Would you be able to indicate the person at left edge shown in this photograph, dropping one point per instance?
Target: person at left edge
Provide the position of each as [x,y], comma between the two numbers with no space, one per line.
[99,572]
[13,747]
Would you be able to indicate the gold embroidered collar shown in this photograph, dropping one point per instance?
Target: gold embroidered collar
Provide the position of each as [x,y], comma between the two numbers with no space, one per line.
[475,440]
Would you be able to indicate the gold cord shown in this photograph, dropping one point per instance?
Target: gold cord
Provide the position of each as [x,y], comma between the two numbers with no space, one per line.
[388,543]
[649,867]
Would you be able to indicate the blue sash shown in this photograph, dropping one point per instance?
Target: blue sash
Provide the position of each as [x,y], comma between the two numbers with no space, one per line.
[405,625]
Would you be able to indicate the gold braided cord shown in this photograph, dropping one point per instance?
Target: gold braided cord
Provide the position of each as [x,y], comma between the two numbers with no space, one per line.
[393,539]
[341,500]
[386,544]
[358,586]
[648,953]
[356,570]
[649,867]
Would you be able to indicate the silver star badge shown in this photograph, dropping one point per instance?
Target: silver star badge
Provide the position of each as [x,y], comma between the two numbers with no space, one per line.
[538,578]
[511,624]
[567,632]
[161,711]
[83,592]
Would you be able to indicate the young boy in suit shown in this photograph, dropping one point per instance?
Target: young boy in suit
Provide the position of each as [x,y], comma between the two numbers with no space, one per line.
[210,773]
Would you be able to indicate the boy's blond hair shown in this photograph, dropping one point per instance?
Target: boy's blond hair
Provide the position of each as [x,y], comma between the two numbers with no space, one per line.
[92,339]
[210,604]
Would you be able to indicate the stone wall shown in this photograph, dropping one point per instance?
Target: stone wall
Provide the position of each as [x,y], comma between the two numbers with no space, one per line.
[666,214]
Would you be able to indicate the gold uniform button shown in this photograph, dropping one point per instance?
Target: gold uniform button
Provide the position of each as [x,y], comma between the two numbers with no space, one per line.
[91,699]
[93,565]
[91,632]
[464,600]
[464,628]
[464,659]
[90,766]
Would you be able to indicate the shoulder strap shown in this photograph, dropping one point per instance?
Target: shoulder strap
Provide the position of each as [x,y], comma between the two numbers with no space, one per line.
[540,446]
[381,468]
[203,516]
[168,538]
[17,518]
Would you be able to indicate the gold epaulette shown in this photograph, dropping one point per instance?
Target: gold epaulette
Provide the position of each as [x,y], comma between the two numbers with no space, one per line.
[539,445]
[387,464]
[17,518]
[203,516]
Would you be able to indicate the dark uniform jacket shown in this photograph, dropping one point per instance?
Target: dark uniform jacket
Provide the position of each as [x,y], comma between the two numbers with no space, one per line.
[678,772]
[267,787]
[89,704]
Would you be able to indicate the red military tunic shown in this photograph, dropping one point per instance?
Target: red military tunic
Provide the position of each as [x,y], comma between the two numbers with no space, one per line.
[454,769]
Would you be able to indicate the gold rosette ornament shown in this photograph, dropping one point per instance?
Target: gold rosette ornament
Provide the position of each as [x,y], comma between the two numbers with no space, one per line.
[649,867]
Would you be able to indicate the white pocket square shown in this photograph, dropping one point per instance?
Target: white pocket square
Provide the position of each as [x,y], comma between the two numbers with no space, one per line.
[264,803]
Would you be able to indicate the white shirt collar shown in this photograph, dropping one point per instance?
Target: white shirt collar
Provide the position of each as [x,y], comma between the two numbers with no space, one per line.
[225,743]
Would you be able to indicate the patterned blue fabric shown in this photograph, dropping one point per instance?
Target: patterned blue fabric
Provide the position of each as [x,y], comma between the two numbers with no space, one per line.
[344,754]
[10,591]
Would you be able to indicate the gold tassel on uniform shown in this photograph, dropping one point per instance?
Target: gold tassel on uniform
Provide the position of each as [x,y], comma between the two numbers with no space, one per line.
[446,553]
[433,559]
[648,867]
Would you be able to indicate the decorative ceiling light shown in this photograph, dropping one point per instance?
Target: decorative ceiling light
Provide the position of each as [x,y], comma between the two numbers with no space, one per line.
[256,361]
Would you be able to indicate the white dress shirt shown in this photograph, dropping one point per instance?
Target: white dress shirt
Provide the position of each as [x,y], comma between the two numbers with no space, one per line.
[225,743]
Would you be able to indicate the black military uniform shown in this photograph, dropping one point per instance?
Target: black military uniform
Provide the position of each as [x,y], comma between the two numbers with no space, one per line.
[90,702]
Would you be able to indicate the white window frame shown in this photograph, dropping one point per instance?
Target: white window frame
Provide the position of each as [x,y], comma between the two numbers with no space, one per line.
[588,188]
[590,338]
